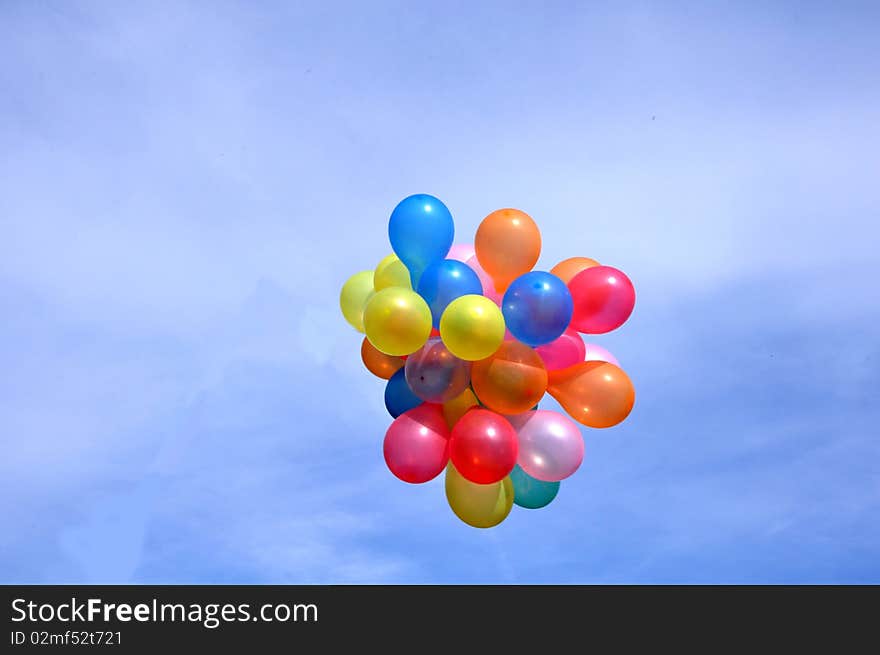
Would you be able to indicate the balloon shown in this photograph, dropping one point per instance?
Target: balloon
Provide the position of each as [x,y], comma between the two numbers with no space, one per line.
[444,281]
[436,375]
[568,268]
[478,505]
[469,339]
[565,351]
[508,244]
[391,272]
[603,299]
[472,327]
[399,398]
[378,363]
[530,492]
[537,308]
[356,291]
[483,446]
[550,444]
[488,288]
[485,280]
[594,353]
[461,251]
[397,321]
[597,394]
[454,409]
[421,232]
[511,380]
[417,444]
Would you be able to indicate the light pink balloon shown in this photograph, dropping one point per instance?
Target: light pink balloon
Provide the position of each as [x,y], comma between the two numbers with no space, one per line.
[550,445]
[417,444]
[596,353]
[488,285]
[563,352]
[461,252]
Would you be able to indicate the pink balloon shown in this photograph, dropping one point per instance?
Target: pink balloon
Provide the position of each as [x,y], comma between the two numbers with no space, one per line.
[461,252]
[596,353]
[604,298]
[488,284]
[563,352]
[550,445]
[417,444]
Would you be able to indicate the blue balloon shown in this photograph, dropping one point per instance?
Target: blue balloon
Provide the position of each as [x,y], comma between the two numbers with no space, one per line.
[421,232]
[444,281]
[399,398]
[537,308]
[530,492]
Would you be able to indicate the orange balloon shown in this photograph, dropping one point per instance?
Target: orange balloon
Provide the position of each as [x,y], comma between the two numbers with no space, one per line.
[597,394]
[378,363]
[511,381]
[508,244]
[568,268]
[454,409]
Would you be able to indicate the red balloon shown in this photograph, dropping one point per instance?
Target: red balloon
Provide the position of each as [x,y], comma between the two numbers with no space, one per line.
[417,444]
[604,298]
[483,446]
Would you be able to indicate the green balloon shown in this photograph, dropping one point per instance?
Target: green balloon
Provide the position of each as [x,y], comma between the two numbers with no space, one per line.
[530,492]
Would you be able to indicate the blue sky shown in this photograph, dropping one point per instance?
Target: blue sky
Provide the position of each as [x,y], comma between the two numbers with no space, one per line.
[185,187]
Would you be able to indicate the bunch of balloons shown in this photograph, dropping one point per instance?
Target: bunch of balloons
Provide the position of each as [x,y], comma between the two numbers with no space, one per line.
[469,339]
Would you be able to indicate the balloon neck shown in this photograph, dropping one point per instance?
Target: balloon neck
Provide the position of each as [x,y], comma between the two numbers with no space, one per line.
[501,286]
[559,376]
[414,277]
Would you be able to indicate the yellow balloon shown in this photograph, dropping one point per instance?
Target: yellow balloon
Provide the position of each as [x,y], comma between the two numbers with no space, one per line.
[356,291]
[457,407]
[478,505]
[391,272]
[472,327]
[397,321]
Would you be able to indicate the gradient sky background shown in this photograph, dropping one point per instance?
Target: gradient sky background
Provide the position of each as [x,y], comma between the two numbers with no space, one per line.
[185,186]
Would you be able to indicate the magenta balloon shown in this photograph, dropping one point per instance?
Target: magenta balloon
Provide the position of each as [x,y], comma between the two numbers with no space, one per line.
[604,298]
[550,445]
[488,284]
[462,252]
[565,351]
[596,353]
[417,444]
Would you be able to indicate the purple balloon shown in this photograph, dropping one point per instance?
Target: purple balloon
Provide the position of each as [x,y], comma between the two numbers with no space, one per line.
[550,445]
[436,375]
[594,353]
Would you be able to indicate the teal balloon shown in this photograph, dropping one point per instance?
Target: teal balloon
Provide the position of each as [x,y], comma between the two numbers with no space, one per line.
[530,492]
